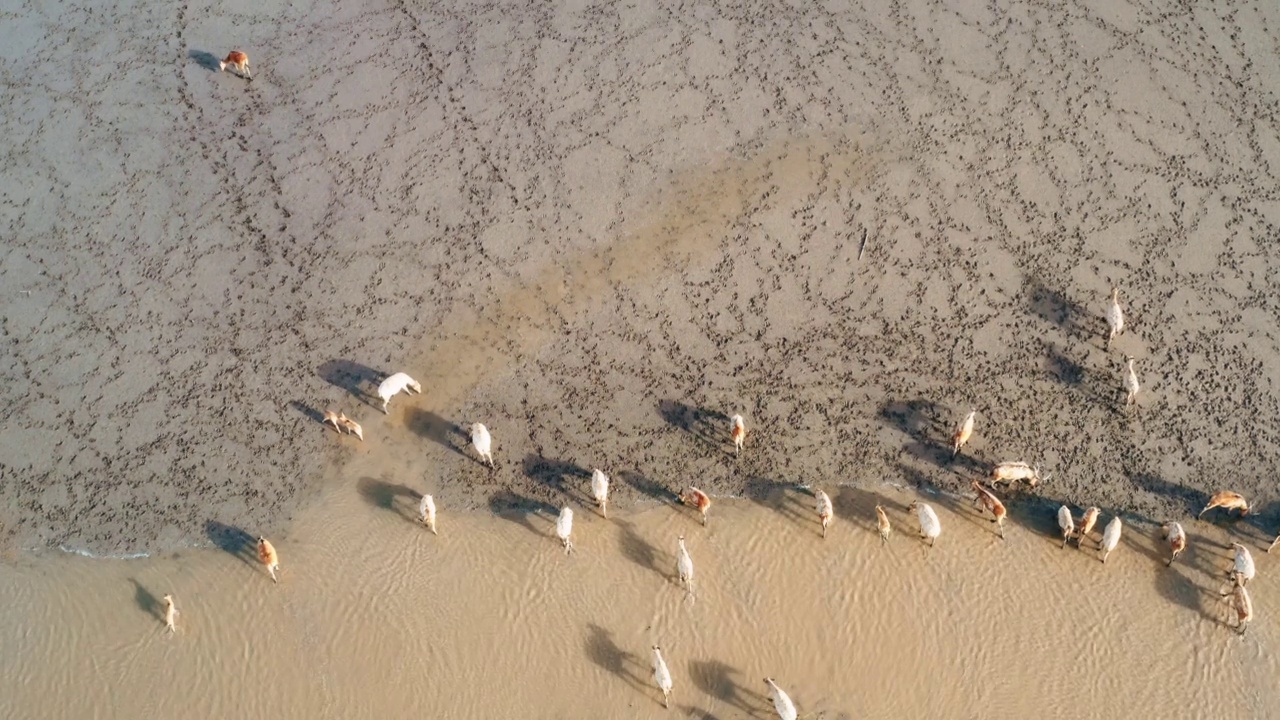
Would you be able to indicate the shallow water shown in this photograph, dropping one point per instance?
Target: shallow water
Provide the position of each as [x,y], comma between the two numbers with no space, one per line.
[375,617]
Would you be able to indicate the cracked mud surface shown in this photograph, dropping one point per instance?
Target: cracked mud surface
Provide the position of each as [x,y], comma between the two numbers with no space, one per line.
[601,229]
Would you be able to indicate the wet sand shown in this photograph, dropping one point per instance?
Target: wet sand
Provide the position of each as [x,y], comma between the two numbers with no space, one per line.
[375,617]
[603,229]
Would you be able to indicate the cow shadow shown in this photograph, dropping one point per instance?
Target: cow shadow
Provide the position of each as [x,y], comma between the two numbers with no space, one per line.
[639,550]
[646,486]
[720,681]
[357,380]
[709,427]
[938,484]
[691,712]
[1190,500]
[787,499]
[400,499]
[1136,536]
[232,540]
[561,476]
[1257,529]
[1054,307]
[915,418]
[858,506]
[963,506]
[437,429]
[311,413]
[148,602]
[928,427]
[1175,586]
[1071,373]
[520,510]
[1060,368]
[626,666]
[1038,515]
[1210,558]
[205,59]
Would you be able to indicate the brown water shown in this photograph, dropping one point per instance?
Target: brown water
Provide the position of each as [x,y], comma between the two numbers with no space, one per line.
[374,617]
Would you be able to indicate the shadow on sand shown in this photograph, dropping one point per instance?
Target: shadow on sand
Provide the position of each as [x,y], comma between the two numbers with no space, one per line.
[400,499]
[521,510]
[917,418]
[787,499]
[710,427]
[431,426]
[628,667]
[312,414]
[689,712]
[567,478]
[1190,500]
[640,551]
[1038,515]
[859,504]
[928,427]
[1175,586]
[721,682]
[651,488]
[150,604]
[205,59]
[232,540]
[1259,528]
[1072,373]
[1056,308]
[358,380]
